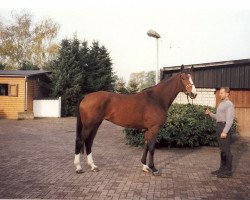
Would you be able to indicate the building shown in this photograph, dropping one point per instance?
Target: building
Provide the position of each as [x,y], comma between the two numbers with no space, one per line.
[18,89]
[209,77]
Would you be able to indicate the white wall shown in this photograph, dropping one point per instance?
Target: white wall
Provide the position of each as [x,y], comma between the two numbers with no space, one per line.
[204,97]
[47,107]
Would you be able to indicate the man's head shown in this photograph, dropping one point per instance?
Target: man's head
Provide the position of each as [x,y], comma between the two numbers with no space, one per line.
[224,92]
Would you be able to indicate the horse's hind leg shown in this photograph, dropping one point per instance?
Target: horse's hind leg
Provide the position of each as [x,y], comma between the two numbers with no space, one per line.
[79,145]
[78,148]
[89,143]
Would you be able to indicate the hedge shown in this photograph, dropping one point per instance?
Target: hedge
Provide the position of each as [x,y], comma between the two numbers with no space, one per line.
[185,126]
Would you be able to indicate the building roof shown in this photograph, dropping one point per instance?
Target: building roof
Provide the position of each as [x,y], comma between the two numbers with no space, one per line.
[22,73]
[234,74]
[208,65]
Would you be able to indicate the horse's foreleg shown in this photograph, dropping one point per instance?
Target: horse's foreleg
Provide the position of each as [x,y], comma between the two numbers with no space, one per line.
[91,163]
[151,156]
[150,138]
[145,168]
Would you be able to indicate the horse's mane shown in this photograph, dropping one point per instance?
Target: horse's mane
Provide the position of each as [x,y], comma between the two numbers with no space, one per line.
[148,88]
[163,81]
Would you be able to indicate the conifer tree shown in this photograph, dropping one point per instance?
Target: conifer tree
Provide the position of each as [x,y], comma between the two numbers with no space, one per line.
[100,75]
[67,76]
[79,70]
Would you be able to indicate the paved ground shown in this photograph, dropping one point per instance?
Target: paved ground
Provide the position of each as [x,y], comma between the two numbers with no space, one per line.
[36,161]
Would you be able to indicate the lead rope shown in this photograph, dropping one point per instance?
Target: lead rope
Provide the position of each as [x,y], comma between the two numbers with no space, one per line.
[192,105]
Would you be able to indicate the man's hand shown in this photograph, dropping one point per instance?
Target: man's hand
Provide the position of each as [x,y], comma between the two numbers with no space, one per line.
[207,112]
[223,135]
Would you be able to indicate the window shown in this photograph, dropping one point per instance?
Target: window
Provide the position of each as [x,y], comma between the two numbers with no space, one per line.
[4,90]
[13,90]
[8,90]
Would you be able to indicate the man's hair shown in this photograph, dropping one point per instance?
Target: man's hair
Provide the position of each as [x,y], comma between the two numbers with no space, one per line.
[227,89]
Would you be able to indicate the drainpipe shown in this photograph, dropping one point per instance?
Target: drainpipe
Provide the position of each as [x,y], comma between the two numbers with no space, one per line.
[26,94]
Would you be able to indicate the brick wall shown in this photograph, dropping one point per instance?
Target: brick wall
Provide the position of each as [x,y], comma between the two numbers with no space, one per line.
[205,97]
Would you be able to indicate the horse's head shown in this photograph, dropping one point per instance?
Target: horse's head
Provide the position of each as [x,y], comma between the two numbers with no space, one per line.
[187,84]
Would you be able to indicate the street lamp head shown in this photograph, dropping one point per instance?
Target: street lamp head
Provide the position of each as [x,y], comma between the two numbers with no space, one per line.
[152,33]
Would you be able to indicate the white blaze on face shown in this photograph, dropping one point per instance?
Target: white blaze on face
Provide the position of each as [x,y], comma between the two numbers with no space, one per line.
[193,87]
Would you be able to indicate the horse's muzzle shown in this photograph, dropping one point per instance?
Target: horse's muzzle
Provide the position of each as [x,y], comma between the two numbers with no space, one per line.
[192,95]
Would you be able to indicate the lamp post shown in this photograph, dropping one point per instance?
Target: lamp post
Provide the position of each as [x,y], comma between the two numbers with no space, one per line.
[154,34]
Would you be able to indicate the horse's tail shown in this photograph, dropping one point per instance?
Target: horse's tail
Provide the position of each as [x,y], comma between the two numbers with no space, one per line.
[79,146]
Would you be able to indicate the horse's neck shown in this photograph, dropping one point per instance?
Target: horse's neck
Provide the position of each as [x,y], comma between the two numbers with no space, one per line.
[168,91]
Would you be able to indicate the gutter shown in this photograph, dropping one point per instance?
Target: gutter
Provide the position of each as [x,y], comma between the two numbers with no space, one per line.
[26,94]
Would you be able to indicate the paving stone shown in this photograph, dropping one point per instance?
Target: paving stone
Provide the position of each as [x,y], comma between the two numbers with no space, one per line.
[36,162]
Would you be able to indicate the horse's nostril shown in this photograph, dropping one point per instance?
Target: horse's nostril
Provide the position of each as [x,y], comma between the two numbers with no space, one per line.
[193,96]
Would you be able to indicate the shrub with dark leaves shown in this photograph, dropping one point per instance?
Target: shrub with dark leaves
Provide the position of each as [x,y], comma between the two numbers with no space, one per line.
[184,127]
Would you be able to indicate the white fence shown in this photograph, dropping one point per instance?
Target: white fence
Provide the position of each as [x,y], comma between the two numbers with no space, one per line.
[47,107]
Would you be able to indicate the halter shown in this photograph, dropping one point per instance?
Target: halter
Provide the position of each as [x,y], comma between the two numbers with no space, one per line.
[192,105]
[188,85]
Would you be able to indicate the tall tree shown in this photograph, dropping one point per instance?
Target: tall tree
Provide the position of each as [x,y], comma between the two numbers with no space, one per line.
[67,75]
[28,66]
[133,86]
[138,77]
[100,74]
[79,70]
[143,79]
[23,41]
[149,80]
[120,86]
[2,66]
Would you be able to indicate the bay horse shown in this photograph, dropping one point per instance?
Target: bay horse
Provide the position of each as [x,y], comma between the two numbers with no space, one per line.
[144,110]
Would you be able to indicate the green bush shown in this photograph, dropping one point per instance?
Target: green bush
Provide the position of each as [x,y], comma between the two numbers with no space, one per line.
[184,127]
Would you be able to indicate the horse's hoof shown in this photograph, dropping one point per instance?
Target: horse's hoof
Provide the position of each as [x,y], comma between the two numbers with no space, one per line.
[145,168]
[79,171]
[95,169]
[156,173]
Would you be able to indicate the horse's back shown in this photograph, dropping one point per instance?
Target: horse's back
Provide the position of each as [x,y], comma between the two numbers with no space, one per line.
[101,105]
[127,110]
[103,100]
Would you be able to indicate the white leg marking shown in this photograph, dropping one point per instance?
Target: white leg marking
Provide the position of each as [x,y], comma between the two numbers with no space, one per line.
[90,161]
[145,168]
[77,162]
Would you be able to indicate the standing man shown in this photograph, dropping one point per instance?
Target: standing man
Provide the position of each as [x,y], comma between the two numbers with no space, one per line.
[224,117]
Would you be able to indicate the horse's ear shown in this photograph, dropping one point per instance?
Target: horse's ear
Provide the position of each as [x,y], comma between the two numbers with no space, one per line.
[182,68]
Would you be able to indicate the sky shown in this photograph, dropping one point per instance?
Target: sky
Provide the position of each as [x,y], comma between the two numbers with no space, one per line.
[192,31]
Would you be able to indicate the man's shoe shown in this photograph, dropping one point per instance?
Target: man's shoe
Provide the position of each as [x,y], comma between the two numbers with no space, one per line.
[225,174]
[216,172]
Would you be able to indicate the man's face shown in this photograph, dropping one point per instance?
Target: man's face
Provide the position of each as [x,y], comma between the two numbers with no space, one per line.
[223,94]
